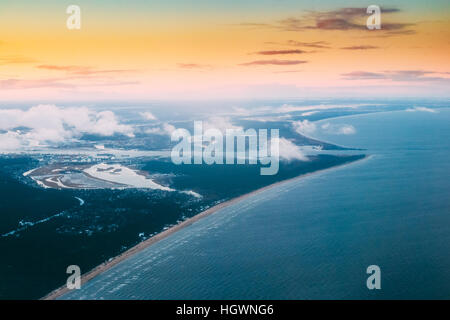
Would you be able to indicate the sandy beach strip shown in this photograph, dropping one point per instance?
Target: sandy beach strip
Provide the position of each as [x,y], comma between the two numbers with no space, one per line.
[164,234]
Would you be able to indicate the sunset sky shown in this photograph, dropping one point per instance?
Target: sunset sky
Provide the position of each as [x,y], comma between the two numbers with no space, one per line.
[208,49]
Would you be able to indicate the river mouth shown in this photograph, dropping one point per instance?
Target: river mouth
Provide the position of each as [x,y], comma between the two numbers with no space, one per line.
[94,176]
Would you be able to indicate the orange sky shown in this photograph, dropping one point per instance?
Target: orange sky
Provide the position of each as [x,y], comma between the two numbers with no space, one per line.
[132,53]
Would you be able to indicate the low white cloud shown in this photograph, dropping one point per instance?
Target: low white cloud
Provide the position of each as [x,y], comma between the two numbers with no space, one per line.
[155,130]
[422,109]
[192,193]
[306,110]
[48,124]
[239,111]
[250,111]
[304,127]
[288,150]
[309,113]
[10,141]
[344,129]
[165,129]
[219,123]
[168,128]
[347,129]
[148,116]
[307,128]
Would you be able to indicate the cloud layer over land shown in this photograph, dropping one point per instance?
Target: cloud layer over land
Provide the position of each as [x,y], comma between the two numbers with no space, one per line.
[48,124]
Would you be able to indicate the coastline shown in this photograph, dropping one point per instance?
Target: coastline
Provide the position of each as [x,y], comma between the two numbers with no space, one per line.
[164,234]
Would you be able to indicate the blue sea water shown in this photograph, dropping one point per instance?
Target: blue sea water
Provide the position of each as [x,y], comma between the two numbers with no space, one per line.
[314,237]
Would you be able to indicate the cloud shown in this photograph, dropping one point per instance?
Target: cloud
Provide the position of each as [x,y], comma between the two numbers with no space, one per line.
[307,128]
[315,44]
[273,62]
[15,59]
[255,25]
[168,128]
[336,24]
[344,129]
[395,33]
[286,108]
[220,123]
[239,111]
[82,70]
[10,141]
[148,115]
[165,129]
[415,75]
[269,118]
[362,75]
[347,129]
[278,52]
[304,127]
[193,66]
[294,43]
[287,71]
[30,84]
[359,48]
[74,73]
[60,68]
[58,83]
[401,75]
[48,124]
[352,18]
[309,113]
[422,109]
[288,151]
[342,24]
[192,193]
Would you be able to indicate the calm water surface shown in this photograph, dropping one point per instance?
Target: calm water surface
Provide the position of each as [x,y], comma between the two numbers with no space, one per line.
[314,237]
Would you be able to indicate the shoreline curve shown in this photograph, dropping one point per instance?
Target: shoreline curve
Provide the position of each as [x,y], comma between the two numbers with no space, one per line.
[53,295]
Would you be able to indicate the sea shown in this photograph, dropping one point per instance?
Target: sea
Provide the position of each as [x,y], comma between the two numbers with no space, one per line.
[315,237]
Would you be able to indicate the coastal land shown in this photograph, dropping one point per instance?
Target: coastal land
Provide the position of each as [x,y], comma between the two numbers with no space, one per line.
[164,234]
